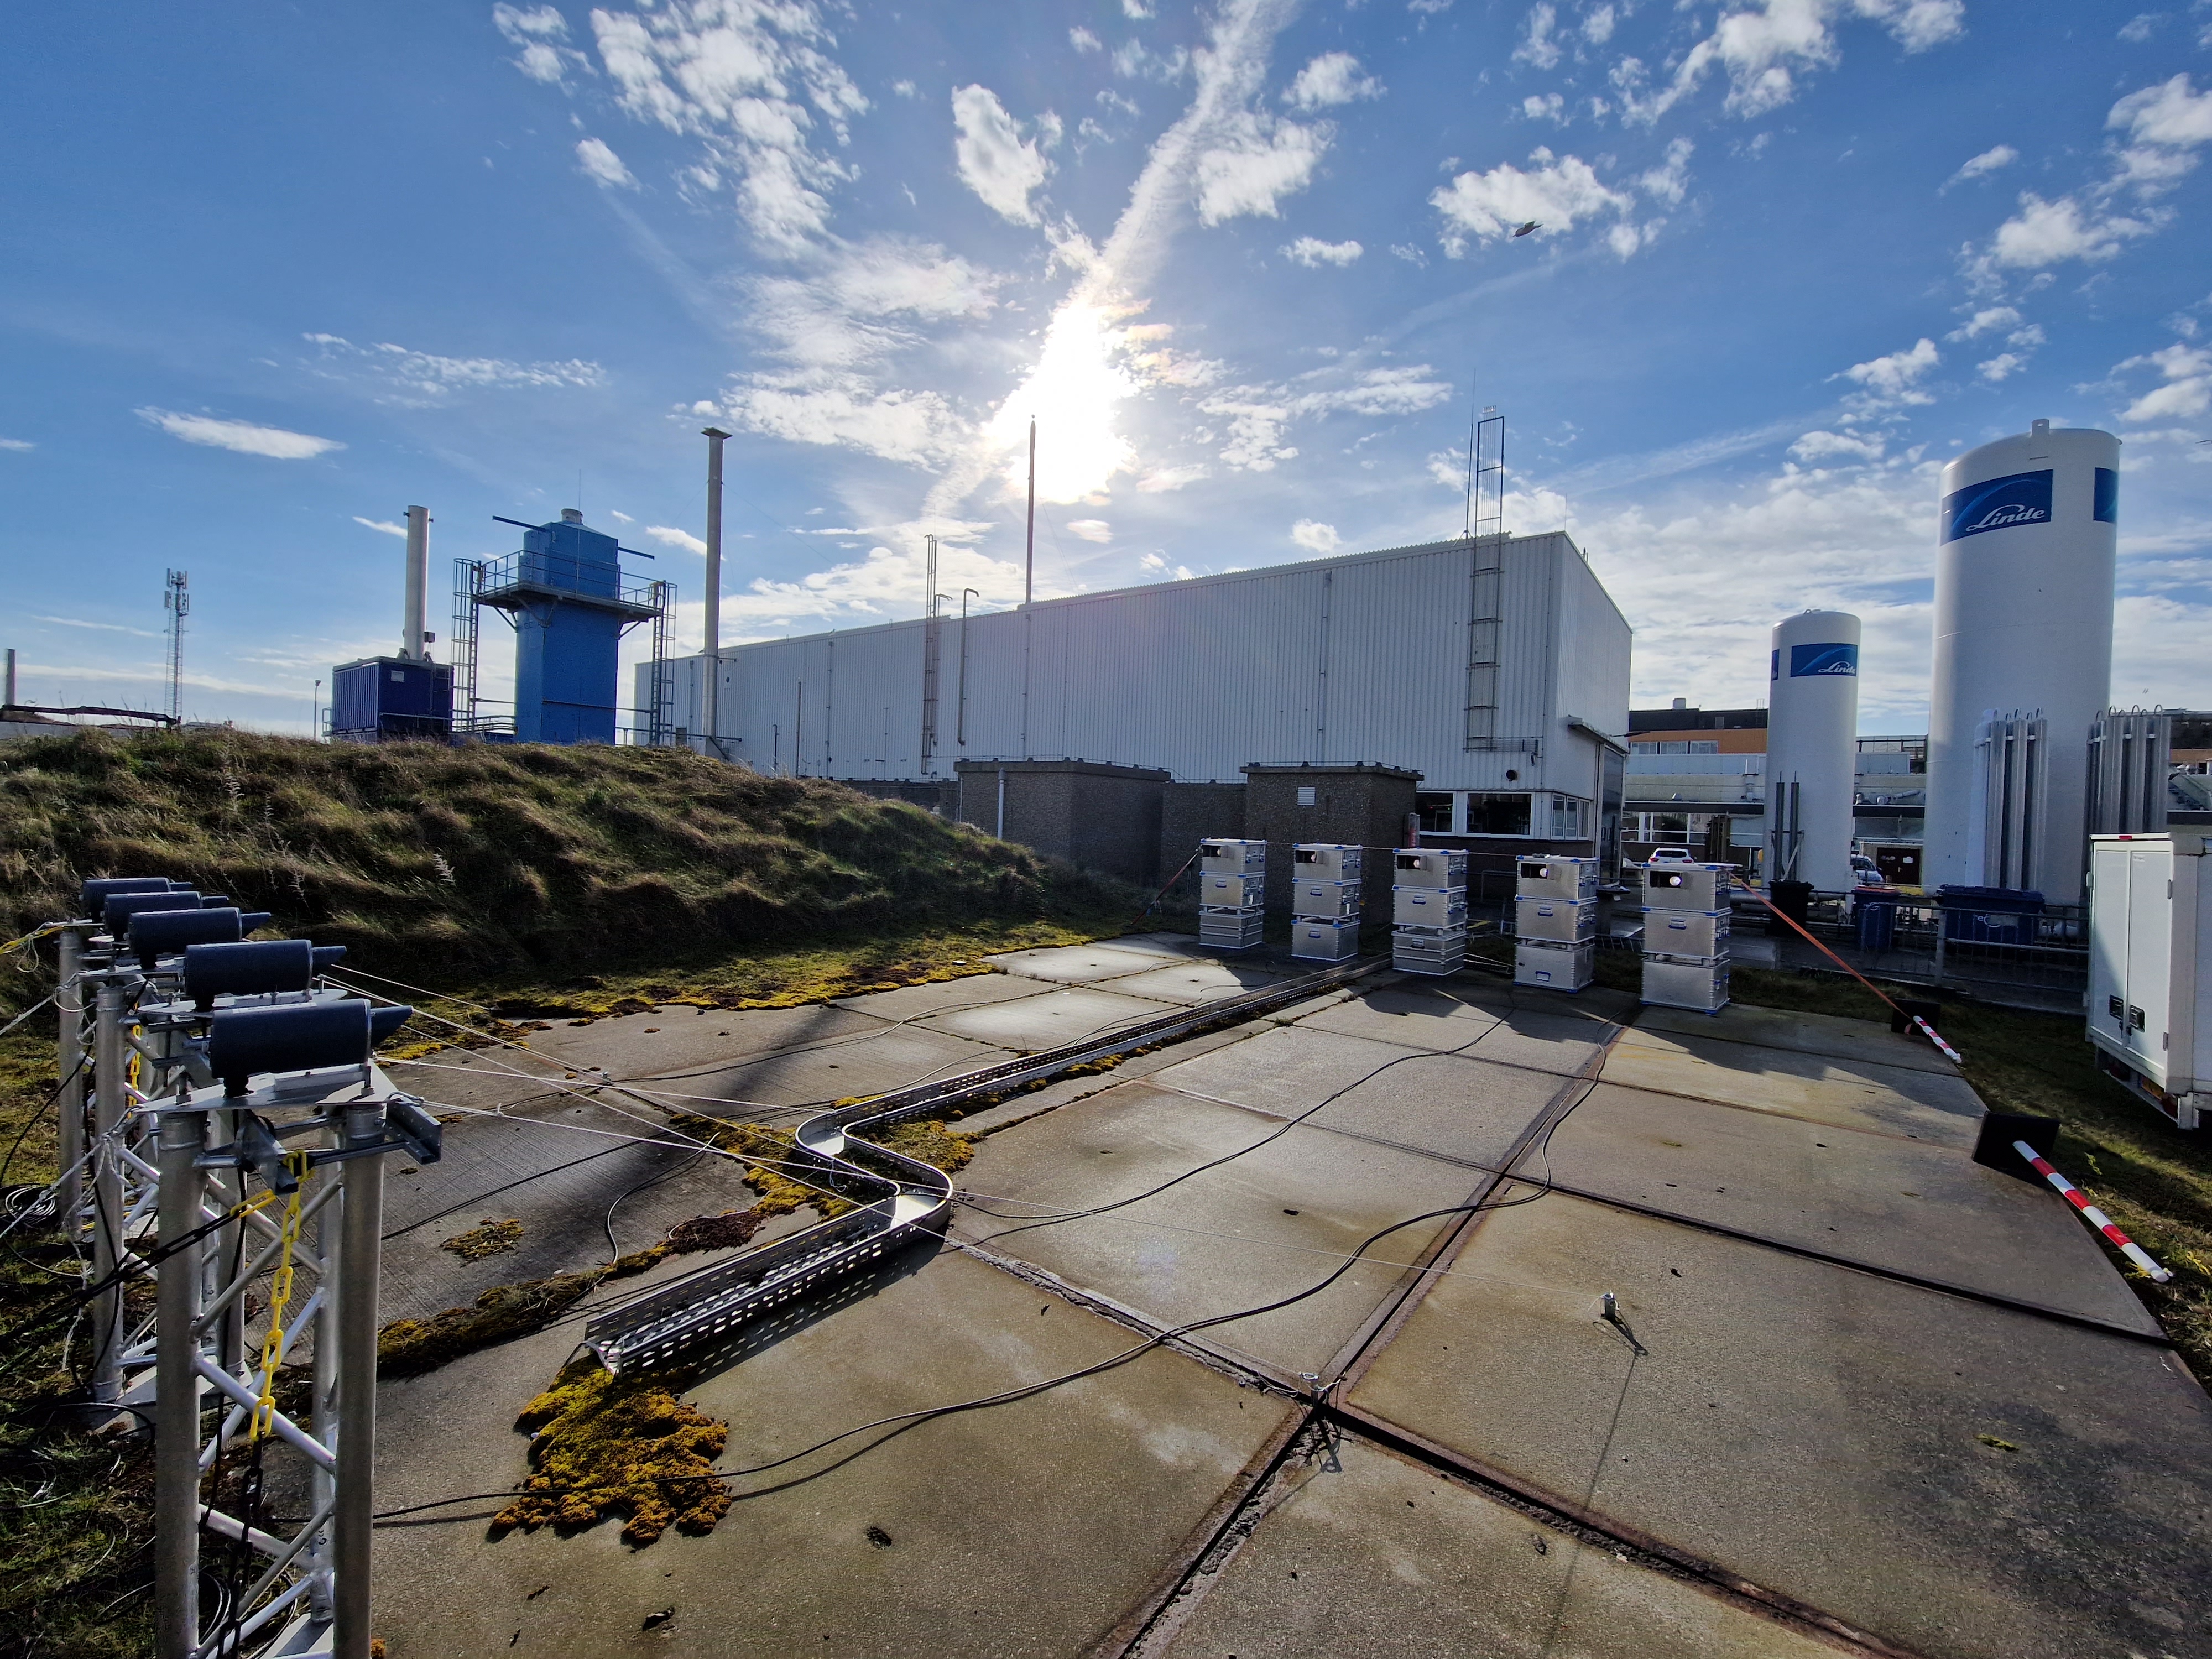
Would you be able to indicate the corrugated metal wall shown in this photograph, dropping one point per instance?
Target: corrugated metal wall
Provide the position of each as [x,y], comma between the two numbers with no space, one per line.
[1362,658]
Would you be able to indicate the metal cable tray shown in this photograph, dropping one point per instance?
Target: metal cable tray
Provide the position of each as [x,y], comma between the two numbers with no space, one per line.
[900,1197]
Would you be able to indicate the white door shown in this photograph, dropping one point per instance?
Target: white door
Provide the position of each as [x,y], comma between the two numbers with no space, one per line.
[2149,954]
[2108,945]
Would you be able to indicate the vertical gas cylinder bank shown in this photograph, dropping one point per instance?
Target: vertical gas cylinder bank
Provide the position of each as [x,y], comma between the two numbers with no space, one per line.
[1812,748]
[2026,544]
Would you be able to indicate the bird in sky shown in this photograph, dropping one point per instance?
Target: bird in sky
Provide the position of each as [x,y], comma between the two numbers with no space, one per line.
[1525,229]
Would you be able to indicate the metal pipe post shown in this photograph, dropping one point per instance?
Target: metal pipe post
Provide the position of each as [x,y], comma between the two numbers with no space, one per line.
[360,1251]
[177,1395]
[69,1067]
[418,583]
[329,1231]
[109,1100]
[711,706]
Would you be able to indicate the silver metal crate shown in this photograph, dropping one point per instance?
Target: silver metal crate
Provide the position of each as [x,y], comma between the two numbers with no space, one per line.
[1428,907]
[1428,866]
[1556,877]
[1700,934]
[1687,886]
[1327,899]
[1323,860]
[1319,941]
[1554,967]
[1564,921]
[1232,858]
[1701,986]
[1233,892]
[1230,930]
[1423,951]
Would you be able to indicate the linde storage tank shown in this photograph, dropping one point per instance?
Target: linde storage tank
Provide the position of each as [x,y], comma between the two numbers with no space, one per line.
[1812,748]
[2024,560]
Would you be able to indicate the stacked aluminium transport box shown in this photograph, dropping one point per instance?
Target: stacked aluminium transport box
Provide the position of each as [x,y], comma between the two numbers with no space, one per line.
[1325,901]
[1428,911]
[1232,882]
[1555,923]
[1685,935]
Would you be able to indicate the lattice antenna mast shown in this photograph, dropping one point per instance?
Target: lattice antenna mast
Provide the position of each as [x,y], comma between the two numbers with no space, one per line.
[176,600]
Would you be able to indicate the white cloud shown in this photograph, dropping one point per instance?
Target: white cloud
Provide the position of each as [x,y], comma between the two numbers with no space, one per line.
[619,515]
[1001,166]
[17,445]
[1984,321]
[425,377]
[1490,205]
[1597,25]
[1172,477]
[2001,156]
[1082,39]
[1763,47]
[1151,561]
[600,162]
[1830,446]
[669,536]
[102,627]
[2173,113]
[383,526]
[1550,107]
[2137,29]
[1334,77]
[1257,417]
[1091,530]
[1137,10]
[1667,181]
[1314,537]
[733,75]
[2187,388]
[2001,366]
[1537,49]
[1255,162]
[1894,378]
[1134,59]
[540,32]
[2049,233]
[1311,251]
[242,437]
[905,89]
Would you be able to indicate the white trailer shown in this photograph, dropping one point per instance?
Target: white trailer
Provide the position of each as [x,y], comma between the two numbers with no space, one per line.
[2150,983]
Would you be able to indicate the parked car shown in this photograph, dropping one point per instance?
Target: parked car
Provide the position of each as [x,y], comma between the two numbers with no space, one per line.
[1671,855]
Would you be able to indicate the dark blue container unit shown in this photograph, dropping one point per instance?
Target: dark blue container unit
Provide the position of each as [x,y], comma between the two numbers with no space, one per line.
[391,699]
[1989,916]
[570,606]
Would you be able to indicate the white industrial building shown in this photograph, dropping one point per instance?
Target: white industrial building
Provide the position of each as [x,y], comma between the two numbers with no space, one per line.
[1497,666]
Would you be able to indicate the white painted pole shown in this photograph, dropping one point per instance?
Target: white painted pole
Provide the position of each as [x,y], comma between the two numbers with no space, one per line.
[418,582]
[711,706]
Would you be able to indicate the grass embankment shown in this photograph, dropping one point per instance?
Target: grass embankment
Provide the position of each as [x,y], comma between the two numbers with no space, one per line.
[2153,1180]
[587,877]
[538,881]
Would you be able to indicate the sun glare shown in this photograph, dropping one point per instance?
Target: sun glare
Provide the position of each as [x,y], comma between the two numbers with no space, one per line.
[1075,391]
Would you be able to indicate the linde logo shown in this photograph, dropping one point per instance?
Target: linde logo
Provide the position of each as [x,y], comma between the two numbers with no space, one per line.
[1809,660]
[1997,504]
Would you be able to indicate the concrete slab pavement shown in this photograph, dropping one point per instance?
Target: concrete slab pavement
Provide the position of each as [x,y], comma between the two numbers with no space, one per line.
[1539,1035]
[1193,983]
[1902,1205]
[871,1063]
[1277,1219]
[1079,964]
[1359,1552]
[1965,1482]
[1802,1033]
[1027,1024]
[1849,1093]
[1027,1529]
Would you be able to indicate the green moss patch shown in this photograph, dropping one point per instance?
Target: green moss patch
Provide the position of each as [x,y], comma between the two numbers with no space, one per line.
[604,1446]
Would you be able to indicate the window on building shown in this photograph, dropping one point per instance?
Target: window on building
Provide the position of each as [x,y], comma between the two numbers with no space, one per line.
[1497,815]
[1435,813]
[1705,746]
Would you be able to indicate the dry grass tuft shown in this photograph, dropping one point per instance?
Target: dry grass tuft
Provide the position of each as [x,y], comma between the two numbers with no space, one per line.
[492,1239]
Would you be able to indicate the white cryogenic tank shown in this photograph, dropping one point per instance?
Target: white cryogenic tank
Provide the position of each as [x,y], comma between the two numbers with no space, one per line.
[1812,748]
[2025,546]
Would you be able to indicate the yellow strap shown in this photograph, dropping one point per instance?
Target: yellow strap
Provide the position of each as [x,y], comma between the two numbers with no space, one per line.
[280,1295]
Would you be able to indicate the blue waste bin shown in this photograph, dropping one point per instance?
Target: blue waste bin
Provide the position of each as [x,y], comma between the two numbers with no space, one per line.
[1877,922]
[1989,915]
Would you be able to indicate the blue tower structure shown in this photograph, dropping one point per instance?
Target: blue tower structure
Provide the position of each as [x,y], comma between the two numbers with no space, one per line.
[565,595]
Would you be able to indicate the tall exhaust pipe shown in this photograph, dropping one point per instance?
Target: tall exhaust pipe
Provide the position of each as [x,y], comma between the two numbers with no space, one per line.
[711,705]
[418,582]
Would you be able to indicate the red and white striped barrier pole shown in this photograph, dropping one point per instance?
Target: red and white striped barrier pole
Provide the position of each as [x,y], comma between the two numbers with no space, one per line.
[2097,1218]
[1949,1053]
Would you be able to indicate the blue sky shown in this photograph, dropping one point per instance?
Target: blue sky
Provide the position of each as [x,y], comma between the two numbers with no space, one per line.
[265,282]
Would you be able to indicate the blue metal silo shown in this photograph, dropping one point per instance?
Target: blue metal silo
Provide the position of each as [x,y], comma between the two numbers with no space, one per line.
[565,594]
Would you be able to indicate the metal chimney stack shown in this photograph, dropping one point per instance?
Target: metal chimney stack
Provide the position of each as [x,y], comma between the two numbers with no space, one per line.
[418,583]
